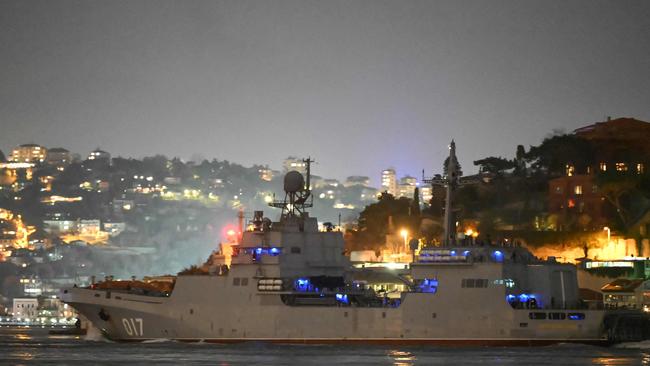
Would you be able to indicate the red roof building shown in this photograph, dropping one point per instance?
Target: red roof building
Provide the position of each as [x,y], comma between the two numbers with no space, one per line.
[620,145]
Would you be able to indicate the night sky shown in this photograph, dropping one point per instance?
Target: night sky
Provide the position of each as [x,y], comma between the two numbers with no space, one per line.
[358,85]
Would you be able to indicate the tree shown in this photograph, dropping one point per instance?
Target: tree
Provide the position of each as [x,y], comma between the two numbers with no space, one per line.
[555,152]
[69,179]
[415,203]
[446,165]
[2,157]
[180,170]
[373,220]
[626,196]
[155,166]
[495,165]
[520,161]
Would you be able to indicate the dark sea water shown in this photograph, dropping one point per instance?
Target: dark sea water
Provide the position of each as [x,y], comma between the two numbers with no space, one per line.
[34,346]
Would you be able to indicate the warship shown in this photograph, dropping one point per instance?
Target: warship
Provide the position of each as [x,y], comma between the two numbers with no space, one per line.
[290,282]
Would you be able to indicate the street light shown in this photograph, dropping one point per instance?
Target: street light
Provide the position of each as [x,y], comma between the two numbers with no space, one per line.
[405,235]
[609,233]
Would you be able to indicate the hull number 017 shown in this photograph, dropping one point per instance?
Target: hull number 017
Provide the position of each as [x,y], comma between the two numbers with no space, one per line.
[133,326]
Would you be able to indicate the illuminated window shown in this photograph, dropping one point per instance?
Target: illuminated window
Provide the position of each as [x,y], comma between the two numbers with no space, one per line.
[621,167]
[594,189]
[640,168]
[603,167]
[577,189]
[570,169]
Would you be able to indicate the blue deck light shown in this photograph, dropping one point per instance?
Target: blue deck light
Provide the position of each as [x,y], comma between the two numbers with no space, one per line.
[576,316]
[302,284]
[429,286]
[274,251]
[465,253]
[497,255]
[343,298]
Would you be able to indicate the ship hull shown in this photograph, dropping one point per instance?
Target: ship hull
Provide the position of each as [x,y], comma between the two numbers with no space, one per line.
[202,310]
[396,342]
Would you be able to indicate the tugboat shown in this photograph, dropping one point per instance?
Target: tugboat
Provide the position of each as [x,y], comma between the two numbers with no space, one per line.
[290,282]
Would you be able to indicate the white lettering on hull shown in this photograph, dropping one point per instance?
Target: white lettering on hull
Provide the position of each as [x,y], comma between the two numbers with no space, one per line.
[133,326]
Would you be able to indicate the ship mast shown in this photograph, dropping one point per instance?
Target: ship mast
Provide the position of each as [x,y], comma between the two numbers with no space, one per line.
[297,197]
[450,180]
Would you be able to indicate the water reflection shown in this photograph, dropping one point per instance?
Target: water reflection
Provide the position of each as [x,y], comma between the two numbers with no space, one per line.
[610,360]
[23,337]
[402,358]
[645,359]
[25,356]
[36,347]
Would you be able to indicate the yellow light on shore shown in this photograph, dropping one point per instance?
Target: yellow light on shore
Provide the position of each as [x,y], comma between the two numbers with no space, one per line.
[405,235]
[471,232]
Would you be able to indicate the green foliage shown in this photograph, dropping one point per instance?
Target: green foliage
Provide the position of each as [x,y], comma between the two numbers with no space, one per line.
[193,271]
[373,220]
[446,165]
[155,166]
[71,176]
[495,165]
[415,202]
[556,152]
[627,196]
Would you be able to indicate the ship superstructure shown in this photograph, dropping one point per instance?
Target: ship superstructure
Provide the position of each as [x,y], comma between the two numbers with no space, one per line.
[290,281]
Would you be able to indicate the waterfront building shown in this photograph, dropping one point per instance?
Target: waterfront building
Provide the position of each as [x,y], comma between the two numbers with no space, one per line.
[368,194]
[89,227]
[407,186]
[426,193]
[60,226]
[32,286]
[389,181]
[624,293]
[98,154]
[29,153]
[576,200]
[25,308]
[58,157]
[622,147]
[357,180]
[294,163]
[266,174]
[114,228]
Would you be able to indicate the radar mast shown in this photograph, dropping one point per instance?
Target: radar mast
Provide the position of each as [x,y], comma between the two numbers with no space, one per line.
[297,193]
